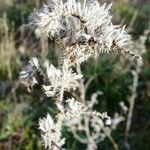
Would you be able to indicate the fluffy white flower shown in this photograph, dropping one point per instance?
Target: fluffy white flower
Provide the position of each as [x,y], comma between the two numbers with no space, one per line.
[83,28]
[27,77]
[51,133]
[74,109]
[46,124]
[59,79]
[69,78]
[77,116]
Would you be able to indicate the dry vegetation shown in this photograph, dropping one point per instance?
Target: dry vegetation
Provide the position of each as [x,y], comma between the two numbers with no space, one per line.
[119,80]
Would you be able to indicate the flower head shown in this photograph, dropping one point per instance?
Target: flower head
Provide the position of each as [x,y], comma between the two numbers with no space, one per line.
[51,133]
[64,79]
[27,74]
[83,29]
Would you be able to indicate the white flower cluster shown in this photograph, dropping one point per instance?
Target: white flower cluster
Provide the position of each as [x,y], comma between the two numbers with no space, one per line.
[74,113]
[83,29]
[64,79]
[75,109]
[94,125]
[27,74]
[51,133]
[73,116]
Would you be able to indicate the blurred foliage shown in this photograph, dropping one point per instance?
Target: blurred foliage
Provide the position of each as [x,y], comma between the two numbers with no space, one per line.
[20,110]
[141,14]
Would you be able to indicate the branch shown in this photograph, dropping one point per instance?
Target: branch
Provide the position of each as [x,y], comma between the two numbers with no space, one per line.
[135,74]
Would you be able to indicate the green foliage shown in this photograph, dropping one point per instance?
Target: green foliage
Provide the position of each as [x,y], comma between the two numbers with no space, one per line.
[141,14]
[108,79]
[13,126]
[18,14]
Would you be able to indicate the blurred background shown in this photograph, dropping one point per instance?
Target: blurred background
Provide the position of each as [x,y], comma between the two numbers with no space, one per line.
[20,110]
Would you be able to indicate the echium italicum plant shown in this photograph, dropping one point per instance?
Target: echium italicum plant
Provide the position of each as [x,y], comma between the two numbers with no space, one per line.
[82,29]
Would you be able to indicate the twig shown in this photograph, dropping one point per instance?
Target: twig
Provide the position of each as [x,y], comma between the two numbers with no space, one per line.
[78,137]
[88,83]
[115,145]
[82,87]
[131,104]
[134,17]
